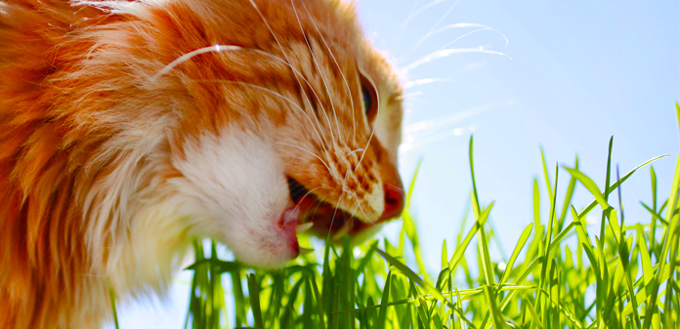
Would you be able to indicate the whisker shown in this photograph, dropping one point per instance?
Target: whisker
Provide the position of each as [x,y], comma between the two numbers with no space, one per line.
[370,137]
[221,48]
[401,189]
[479,28]
[421,82]
[342,74]
[344,230]
[441,19]
[188,56]
[439,54]
[309,192]
[413,95]
[441,128]
[310,152]
[413,14]
[410,144]
[359,208]
[344,181]
[295,104]
[252,2]
[455,118]
[335,211]
[473,32]
[323,79]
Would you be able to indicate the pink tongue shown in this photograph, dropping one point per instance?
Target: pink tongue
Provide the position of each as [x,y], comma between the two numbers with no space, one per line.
[289,222]
[290,218]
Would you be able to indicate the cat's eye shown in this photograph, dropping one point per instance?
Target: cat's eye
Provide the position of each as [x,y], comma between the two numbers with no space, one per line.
[370,97]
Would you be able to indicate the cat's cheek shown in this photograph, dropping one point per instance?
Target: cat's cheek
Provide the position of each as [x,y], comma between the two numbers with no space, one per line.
[239,195]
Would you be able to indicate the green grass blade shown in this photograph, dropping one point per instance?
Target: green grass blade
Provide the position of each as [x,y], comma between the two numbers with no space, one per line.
[567,199]
[619,182]
[319,302]
[546,175]
[409,224]
[113,308]
[483,247]
[384,301]
[289,310]
[580,226]
[652,235]
[411,275]
[515,253]
[655,217]
[677,114]
[556,241]
[460,250]
[475,196]
[496,314]
[590,185]
[535,316]
[671,234]
[254,294]
[521,278]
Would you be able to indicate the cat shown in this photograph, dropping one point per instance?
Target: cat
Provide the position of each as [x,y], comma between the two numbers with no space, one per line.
[129,128]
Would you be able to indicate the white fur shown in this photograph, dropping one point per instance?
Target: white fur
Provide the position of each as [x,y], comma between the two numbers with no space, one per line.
[238,186]
[232,188]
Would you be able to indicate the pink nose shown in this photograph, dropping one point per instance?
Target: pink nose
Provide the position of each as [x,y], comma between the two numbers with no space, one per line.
[394,202]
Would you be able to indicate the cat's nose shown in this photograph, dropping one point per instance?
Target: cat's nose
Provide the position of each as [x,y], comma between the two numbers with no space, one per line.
[394,202]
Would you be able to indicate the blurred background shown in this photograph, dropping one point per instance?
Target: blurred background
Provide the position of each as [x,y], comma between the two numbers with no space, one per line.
[519,75]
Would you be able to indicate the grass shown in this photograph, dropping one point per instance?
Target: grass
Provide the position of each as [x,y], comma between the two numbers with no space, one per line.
[559,275]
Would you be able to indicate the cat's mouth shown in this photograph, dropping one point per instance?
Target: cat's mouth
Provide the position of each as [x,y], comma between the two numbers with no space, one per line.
[322,218]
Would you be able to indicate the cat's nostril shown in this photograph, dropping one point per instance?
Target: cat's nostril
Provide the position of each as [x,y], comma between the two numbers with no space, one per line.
[394,202]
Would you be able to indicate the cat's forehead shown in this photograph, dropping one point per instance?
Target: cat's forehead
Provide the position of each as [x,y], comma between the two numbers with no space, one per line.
[335,22]
[334,25]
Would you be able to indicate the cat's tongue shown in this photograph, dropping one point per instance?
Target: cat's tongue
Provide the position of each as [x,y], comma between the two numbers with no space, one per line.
[289,224]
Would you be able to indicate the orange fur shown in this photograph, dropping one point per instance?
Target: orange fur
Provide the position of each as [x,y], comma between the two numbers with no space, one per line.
[91,135]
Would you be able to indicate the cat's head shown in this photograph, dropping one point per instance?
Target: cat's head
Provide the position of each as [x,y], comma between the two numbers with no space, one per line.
[262,115]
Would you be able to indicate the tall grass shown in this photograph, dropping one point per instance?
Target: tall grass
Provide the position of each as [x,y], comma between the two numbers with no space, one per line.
[559,274]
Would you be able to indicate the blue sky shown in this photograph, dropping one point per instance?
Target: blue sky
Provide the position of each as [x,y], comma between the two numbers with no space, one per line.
[565,75]
[571,74]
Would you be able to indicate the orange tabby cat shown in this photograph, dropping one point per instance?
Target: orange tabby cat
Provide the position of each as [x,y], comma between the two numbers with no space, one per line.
[129,128]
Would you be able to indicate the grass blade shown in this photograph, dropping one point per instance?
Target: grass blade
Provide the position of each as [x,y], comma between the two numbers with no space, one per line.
[590,185]
[411,275]
[515,253]
[254,294]
[384,301]
[113,308]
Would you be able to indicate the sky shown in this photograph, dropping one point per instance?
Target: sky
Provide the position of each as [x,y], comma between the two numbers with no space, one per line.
[568,77]
[521,75]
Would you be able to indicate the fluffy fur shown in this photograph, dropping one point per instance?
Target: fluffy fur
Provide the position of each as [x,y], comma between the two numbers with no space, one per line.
[129,128]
